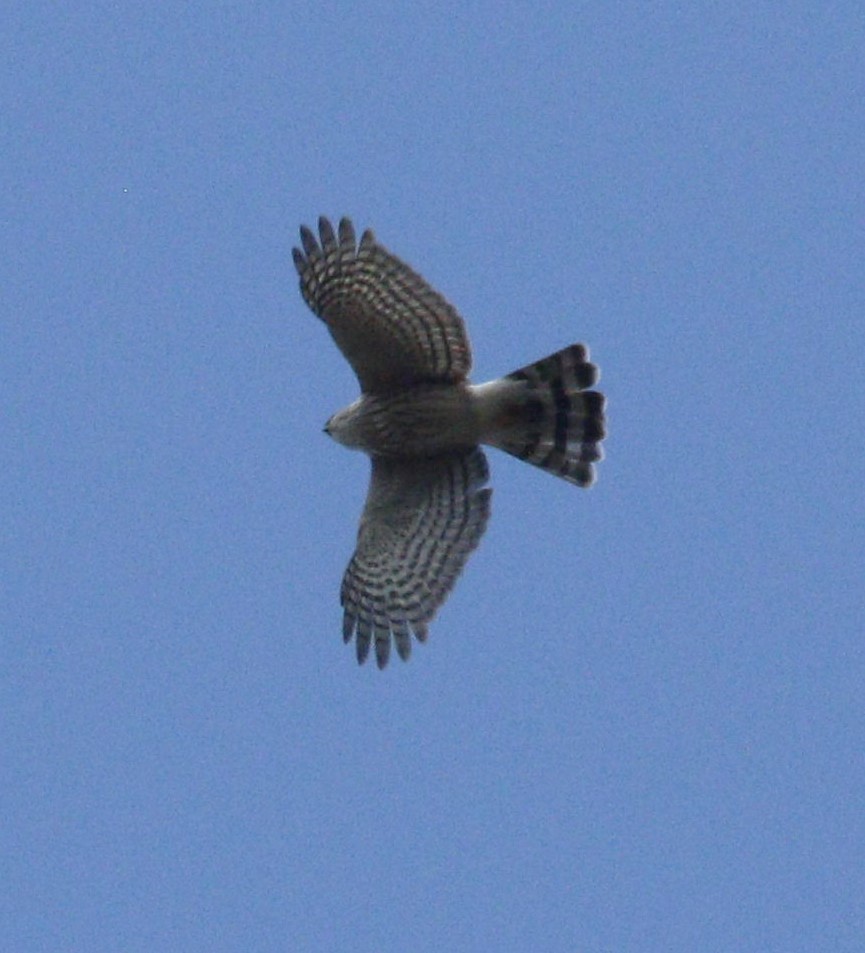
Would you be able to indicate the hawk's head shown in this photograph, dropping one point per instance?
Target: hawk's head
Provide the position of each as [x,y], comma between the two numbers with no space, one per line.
[346,426]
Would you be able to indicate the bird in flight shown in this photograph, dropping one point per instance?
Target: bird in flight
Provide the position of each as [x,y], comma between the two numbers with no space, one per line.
[422,423]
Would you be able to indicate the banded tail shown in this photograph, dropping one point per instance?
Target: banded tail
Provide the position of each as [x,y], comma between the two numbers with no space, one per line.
[545,414]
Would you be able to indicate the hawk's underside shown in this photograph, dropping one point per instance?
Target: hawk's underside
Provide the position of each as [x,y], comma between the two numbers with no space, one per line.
[422,423]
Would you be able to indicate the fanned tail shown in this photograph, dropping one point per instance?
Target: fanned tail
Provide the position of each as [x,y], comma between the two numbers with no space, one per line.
[547,415]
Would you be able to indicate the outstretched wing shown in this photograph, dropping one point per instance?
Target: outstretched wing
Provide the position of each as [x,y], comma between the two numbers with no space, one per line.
[422,519]
[393,328]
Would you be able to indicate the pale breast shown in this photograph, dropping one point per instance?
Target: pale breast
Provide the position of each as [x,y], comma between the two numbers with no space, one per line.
[422,421]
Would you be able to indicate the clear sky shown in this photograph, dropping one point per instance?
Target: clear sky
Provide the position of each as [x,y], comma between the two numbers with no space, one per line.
[638,724]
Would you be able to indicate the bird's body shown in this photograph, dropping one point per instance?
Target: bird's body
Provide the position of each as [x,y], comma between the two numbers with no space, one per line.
[422,422]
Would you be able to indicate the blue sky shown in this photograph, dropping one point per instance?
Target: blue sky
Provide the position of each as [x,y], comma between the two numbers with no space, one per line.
[638,723]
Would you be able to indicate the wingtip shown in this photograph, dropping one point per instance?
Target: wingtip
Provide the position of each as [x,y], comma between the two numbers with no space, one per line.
[362,646]
[325,230]
[346,233]
[402,638]
[382,649]
[348,621]
[308,240]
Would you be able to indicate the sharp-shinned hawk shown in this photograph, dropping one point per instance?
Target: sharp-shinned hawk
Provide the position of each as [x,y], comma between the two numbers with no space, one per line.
[422,423]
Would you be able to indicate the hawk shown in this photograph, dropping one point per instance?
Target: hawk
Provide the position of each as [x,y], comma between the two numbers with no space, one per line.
[422,424]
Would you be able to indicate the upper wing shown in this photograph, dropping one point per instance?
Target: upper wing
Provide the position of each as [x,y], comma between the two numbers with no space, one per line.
[392,326]
[422,519]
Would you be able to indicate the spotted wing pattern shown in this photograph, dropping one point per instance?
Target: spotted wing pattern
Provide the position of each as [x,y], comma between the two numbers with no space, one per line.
[422,519]
[393,328]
